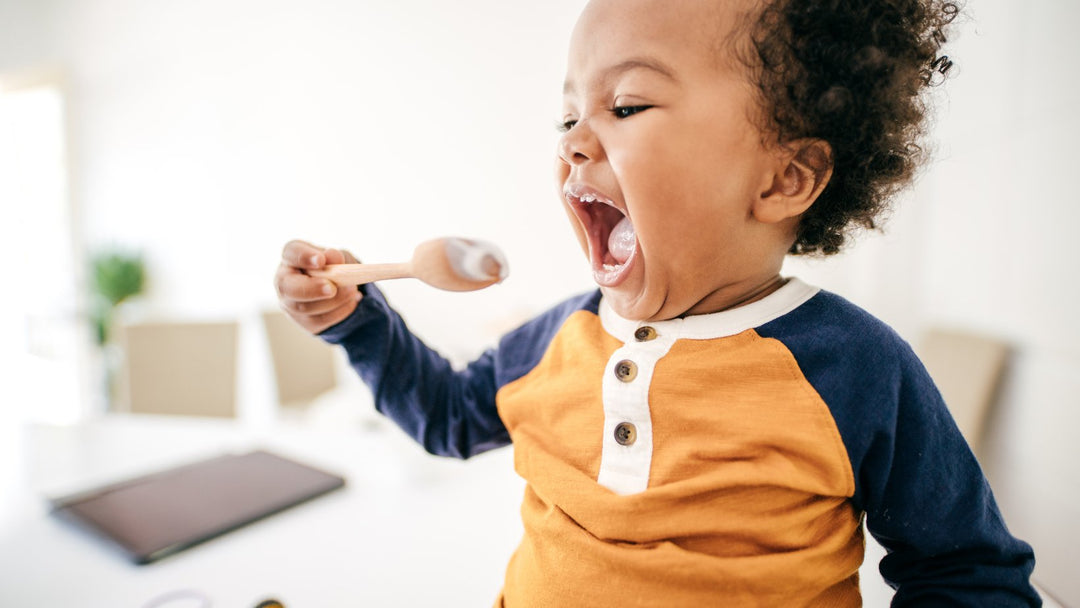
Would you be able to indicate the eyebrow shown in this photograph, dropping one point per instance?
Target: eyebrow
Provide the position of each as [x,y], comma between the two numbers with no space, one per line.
[635,63]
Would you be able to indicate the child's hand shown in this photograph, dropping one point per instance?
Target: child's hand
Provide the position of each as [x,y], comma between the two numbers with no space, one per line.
[316,304]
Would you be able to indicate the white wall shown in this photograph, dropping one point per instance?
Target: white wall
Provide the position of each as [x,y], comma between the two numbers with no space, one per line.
[208,133]
[1009,181]
[27,33]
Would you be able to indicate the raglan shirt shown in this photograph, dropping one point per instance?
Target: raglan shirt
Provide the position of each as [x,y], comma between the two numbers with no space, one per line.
[720,459]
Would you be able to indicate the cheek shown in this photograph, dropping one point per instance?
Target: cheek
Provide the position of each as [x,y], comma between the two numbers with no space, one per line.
[688,224]
[643,157]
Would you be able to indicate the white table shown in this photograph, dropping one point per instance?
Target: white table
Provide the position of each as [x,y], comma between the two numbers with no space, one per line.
[408,529]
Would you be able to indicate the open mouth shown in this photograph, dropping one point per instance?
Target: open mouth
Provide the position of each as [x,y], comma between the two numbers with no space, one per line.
[612,240]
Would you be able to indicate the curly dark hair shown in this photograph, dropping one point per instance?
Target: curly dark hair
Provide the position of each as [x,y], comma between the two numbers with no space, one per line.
[853,73]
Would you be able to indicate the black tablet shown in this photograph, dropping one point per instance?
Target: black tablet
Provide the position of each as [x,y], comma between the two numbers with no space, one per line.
[156,515]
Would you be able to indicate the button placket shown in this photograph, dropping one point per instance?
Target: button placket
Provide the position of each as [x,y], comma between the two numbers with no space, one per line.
[625,432]
[626,455]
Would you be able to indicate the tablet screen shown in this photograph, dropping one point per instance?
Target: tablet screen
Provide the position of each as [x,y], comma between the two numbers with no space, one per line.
[156,515]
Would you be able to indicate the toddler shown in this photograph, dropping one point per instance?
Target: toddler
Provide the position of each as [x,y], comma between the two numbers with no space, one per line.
[701,431]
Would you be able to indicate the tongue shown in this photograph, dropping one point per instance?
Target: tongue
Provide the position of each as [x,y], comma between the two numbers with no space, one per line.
[622,241]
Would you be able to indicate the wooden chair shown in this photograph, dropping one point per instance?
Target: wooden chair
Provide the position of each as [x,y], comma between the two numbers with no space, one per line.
[303,364]
[179,369]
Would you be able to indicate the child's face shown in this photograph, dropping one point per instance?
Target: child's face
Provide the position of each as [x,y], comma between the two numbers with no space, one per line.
[664,148]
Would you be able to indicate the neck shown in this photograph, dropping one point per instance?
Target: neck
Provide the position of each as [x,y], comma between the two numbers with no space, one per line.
[757,291]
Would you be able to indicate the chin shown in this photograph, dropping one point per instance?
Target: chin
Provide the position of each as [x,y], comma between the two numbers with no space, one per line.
[632,306]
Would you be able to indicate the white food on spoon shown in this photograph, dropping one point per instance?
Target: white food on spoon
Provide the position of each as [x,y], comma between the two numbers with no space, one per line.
[476,260]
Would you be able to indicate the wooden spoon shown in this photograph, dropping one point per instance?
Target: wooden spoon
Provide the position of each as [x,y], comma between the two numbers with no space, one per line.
[452,264]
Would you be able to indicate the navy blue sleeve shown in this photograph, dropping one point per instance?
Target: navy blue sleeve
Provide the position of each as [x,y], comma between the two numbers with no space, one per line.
[449,412]
[925,497]
[522,349]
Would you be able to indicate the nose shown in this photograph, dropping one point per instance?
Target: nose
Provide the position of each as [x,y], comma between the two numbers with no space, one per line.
[579,145]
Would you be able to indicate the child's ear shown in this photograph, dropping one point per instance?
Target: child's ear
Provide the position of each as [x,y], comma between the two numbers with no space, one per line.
[803,170]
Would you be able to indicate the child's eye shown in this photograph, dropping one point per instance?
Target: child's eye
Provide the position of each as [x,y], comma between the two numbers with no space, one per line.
[628,111]
[565,125]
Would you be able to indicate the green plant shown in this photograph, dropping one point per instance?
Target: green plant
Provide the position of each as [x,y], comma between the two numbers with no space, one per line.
[115,277]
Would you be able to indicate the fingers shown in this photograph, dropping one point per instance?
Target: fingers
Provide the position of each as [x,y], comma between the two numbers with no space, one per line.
[318,306]
[301,254]
[338,256]
[294,285]
[305,256]
[316,323]
[315,304]
[291,279]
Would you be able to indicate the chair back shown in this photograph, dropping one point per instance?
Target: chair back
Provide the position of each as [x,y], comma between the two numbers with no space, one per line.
[303,363]
[179,369]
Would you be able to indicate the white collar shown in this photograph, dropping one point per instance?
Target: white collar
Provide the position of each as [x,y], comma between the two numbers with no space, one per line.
[721,324]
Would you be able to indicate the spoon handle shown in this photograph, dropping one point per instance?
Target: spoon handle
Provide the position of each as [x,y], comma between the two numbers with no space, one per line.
[359,274]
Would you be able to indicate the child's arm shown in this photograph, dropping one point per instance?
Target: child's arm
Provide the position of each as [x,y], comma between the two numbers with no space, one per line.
[450,413]
[930,506]
[924,496]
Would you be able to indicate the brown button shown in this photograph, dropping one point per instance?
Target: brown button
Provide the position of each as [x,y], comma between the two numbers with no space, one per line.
[625,433]
[626,370]
[644,334]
